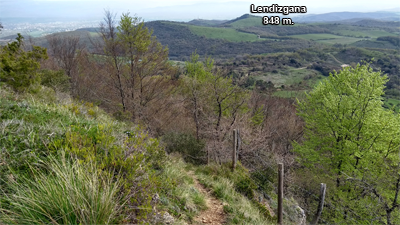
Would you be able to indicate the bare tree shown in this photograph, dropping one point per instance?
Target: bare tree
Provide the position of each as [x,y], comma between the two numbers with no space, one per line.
[65,49]
[111,48]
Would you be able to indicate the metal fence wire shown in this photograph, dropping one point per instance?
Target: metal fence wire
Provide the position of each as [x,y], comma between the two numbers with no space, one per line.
[252,159]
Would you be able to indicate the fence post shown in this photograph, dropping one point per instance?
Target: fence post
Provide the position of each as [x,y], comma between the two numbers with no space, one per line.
[234,149]
[321,204]
[208,155]
[239,144]
[280,193]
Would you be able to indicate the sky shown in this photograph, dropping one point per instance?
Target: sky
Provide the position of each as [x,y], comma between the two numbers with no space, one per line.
[177,10]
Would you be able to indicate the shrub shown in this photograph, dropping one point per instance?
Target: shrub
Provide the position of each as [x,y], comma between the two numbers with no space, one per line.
[187,145]
[136,160]
[56,80]
[18,68]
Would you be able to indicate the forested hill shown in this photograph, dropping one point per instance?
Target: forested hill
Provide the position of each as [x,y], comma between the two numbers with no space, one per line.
[182,42]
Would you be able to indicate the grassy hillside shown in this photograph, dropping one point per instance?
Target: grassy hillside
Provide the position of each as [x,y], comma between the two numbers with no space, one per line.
[222,39]
[374,44]
[201,22]
[41,134]
[245,21]
[182,42]
[372,33]
[223,33]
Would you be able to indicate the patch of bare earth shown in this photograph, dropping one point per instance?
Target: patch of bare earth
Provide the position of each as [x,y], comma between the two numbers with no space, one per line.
[214,214]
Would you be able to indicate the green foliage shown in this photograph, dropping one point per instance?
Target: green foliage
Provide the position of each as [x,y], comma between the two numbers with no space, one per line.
[258,117]
[352,141]
[71,193]
[31,132]
[191,149]
[19,68]
[132,34]
[211,95]
[228,34]
[24,134]
[83,108]
[181,41]
[395,40]
[135,160]
[56,80]
[240,178]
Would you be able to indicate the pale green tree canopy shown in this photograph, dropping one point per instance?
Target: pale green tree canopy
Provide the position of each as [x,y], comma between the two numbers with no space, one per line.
[351,139]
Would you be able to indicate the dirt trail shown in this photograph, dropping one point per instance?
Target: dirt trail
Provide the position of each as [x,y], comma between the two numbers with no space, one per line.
[336,59]
[214,215]
[300,68]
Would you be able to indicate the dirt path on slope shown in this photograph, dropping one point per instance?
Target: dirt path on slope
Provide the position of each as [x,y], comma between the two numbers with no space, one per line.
[342,64]
[214,214]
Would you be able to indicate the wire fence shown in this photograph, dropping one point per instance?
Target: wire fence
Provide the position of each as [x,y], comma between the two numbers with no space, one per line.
[255,161]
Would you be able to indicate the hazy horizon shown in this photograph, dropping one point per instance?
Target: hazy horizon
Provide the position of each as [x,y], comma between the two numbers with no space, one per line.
[62,10]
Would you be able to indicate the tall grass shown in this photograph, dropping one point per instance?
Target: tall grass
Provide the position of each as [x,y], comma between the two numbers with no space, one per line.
[68,193]
[183,199]
[240,209]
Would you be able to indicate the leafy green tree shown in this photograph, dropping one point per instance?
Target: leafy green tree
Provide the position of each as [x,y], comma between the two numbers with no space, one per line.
[19,68]
[213,100]
[351,141]
[193,85]
[146,60]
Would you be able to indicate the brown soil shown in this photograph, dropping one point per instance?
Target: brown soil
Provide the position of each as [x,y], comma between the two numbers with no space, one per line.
[214,215]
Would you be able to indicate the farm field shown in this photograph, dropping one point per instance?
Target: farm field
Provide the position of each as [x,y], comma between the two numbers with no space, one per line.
[248,22]
[291,76]
[316,37]
[228,34]
[342,40]
[328,38]
[390,102]
[363,33]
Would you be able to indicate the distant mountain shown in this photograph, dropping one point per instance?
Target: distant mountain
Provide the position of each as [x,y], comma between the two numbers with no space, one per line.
[339,16]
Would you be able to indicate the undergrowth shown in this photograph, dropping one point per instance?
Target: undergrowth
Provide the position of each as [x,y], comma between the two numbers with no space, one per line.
[237,190]
[180,196]
[68,193]
[35,128]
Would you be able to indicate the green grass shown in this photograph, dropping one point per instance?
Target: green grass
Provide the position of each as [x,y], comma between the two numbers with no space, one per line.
[343,40]
[392,103]
[240,207]
[316,36]
[36,127]
[183,199]
[71,194]
[248,22]
[328,38]
[228,34]
[288,76]
[370,33]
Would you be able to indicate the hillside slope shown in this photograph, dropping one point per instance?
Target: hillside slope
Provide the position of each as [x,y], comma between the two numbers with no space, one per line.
[36,129]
